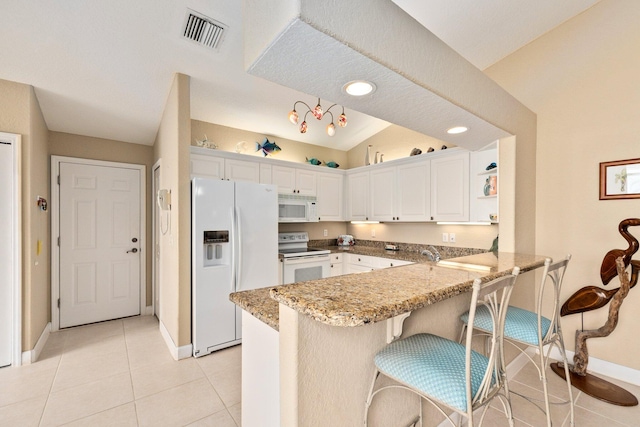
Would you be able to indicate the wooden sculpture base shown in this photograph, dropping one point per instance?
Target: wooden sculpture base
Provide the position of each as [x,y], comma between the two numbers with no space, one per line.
[597,387]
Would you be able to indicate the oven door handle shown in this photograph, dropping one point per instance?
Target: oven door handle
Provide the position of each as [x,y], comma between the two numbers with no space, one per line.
[306,258]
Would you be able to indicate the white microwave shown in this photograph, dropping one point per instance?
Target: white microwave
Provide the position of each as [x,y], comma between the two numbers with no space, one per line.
[294,208]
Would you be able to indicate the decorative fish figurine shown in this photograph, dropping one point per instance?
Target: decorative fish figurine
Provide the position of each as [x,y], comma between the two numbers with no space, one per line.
[332,164]
[267,147]
[313,161]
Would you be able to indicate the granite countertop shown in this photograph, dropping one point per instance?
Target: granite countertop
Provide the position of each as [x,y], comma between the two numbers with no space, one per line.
[363,298]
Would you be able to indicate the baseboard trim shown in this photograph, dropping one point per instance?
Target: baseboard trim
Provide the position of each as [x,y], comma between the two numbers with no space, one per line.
[177,353]
[32,356]
[602,367]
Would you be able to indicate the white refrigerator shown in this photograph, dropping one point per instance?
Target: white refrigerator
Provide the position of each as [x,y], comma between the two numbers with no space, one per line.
[234,248]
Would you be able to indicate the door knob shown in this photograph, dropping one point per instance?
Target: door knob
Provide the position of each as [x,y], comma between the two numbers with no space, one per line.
[134,250]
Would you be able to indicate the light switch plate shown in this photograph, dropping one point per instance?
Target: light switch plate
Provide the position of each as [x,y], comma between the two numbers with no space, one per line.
[445,237]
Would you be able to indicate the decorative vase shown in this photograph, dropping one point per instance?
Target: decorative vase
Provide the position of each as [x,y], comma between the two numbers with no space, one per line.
[487,187]
[367,156]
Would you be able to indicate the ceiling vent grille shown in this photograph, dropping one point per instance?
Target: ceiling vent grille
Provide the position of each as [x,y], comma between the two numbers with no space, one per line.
[202,30]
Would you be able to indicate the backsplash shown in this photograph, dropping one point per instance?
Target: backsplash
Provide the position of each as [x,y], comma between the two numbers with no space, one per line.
[445,251]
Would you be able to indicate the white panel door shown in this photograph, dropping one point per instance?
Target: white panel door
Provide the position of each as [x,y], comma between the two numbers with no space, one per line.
[7,226]
[99,243]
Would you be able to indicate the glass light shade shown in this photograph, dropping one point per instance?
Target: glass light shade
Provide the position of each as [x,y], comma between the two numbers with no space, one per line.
[342,120]
[303,127]
[317,112]
[331,129]
[293,117]
[457,129]
[359,88]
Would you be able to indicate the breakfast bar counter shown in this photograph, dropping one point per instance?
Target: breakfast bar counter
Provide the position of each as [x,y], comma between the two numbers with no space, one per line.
[308,347]
[363,298]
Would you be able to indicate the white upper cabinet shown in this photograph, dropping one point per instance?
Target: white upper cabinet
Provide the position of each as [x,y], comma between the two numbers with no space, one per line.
[450,187]
[400,193]
[358,196]
[382,186]
[330,196]
[306,182]
[207,166]
[293,180]
[240,170]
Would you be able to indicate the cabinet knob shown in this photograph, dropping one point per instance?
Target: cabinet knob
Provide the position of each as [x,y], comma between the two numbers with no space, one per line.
[391,265]
[359,259]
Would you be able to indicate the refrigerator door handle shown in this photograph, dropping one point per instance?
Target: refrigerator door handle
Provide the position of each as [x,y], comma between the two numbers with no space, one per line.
[239,240]
[233,249]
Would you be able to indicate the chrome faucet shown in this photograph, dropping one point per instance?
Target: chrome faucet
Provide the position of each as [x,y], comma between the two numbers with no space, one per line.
[432,253]
[435,253]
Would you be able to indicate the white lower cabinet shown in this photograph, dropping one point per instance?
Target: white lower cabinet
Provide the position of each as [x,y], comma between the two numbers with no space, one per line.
[353,263]
[336,265]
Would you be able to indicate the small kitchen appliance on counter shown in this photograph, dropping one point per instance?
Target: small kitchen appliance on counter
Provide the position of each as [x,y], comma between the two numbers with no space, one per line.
[300,262]
[346,240]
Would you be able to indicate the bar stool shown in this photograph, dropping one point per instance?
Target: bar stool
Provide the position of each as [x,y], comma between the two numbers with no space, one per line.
[447,373]
[532,329]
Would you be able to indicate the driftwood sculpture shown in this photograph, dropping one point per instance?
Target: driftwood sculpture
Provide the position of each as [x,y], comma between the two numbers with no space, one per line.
[581,357]
[589,298]
[592,297]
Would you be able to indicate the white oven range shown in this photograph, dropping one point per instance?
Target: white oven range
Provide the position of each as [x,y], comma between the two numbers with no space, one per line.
[299,262]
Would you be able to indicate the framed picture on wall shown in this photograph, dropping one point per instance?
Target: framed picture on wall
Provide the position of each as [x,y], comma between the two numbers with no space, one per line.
[620,179]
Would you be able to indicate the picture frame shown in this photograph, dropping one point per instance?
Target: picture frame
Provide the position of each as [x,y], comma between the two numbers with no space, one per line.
[620,179]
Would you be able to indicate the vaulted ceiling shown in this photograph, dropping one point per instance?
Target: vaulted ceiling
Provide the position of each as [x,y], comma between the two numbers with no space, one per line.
[104,69]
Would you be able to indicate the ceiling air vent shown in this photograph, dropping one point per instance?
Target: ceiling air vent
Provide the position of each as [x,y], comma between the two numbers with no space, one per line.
[203,30]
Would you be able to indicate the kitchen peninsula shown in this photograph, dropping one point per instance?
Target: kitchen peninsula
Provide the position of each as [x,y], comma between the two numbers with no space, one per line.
[317,367]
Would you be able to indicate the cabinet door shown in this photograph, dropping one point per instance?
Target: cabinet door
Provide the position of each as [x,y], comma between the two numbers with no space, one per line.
[240,170]
[284,178]
[413,192]
[306,182]
[265,173]
[358,196]
[207,166]
[336,265]
[382,186]
[450,188]
[330,196]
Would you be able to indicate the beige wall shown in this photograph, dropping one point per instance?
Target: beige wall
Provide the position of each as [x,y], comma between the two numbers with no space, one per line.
[20,113]
[395,142]
[172,149]
[227,138]
[582,81]
[86,147]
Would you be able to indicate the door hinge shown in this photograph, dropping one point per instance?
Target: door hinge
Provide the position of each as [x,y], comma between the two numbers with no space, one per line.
[58,241]
[58,179]
[58,302]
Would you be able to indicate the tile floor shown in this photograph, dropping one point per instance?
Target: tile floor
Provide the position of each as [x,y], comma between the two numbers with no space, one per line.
[120,373]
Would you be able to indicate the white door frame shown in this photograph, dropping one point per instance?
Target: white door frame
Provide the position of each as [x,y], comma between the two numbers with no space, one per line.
[55,230]
[155,278]
[16,141]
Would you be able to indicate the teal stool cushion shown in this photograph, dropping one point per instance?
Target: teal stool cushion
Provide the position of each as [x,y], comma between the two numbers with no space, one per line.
[433,365]
[520,325]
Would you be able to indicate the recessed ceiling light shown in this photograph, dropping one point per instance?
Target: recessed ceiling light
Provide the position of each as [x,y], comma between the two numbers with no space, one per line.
[457,129]
[359,88]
